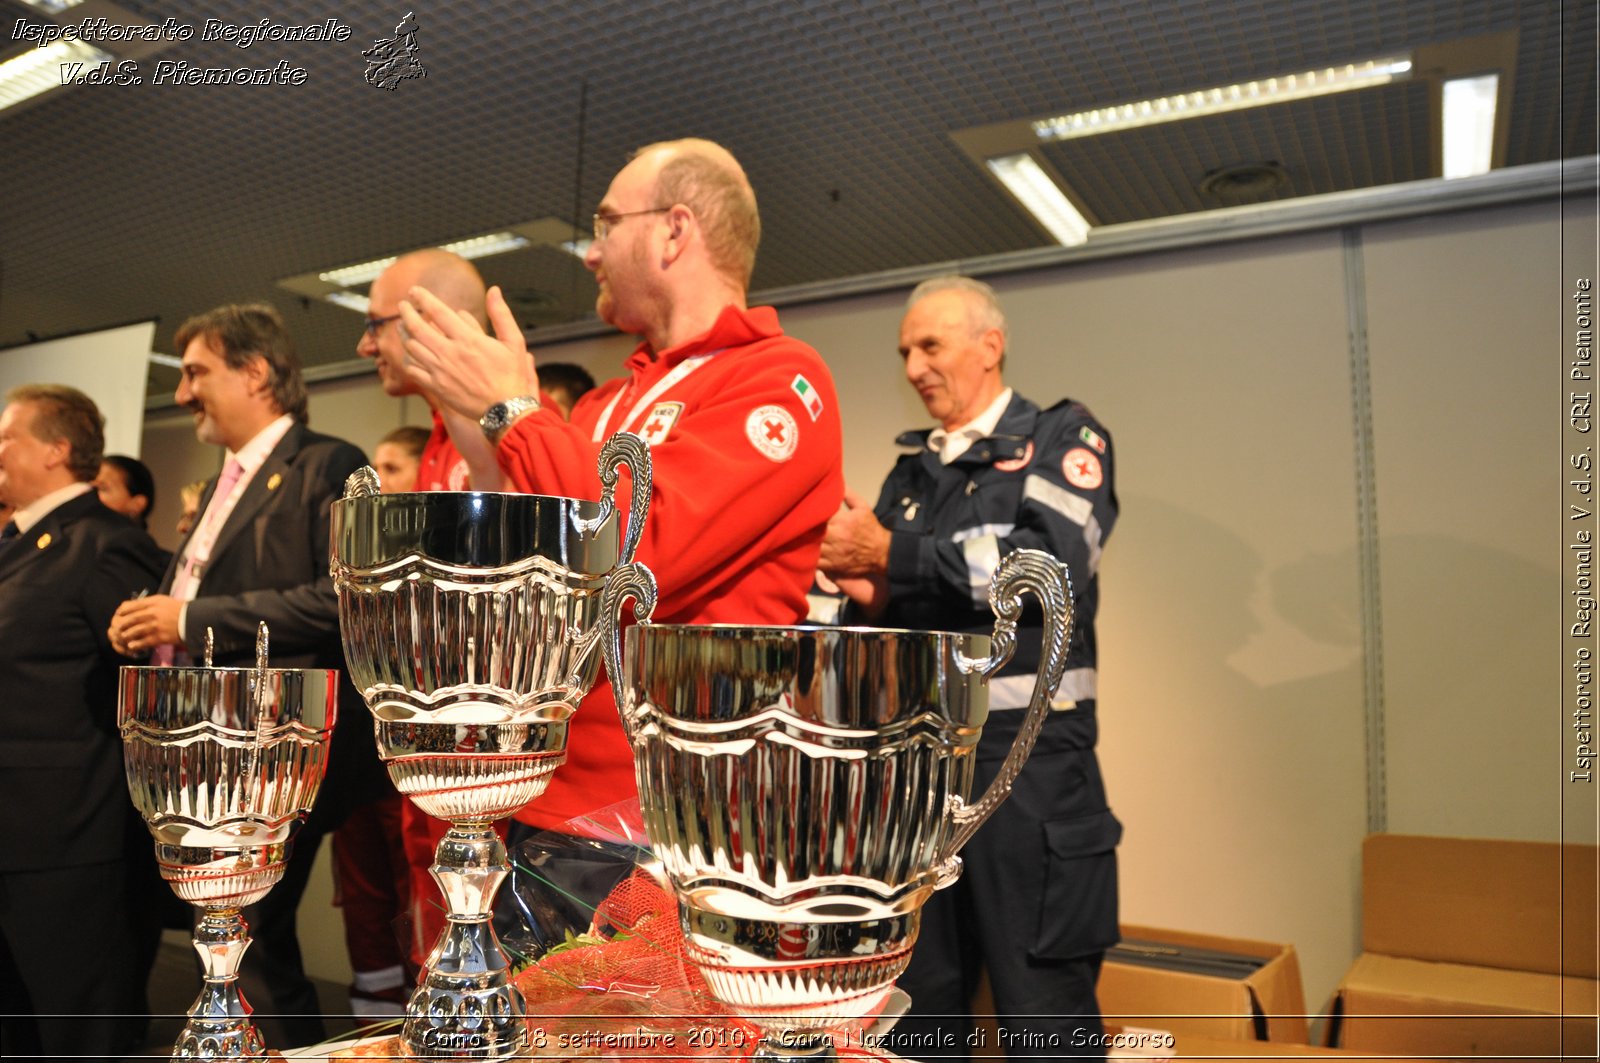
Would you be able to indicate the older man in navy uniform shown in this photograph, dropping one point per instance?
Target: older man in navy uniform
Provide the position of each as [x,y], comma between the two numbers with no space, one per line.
[1037,904]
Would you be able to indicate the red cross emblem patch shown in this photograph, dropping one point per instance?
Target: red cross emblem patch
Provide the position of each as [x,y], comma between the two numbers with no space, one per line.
[1082,469]
[772,430]
[659,424]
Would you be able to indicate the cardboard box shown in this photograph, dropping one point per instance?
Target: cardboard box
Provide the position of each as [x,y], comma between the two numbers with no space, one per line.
[1267,1004]
[1472,948]
[1216,1050]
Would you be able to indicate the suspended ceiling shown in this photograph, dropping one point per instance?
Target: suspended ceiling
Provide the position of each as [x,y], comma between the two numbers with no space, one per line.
[125,202]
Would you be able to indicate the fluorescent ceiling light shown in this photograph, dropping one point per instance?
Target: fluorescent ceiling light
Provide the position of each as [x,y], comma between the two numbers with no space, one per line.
[1469,124]
[360,273]
[52,7]
[166,360]
[1224,98]
[576,248]
[1034,189]
[484,246]
[39,69]
[349,300]
[472,247]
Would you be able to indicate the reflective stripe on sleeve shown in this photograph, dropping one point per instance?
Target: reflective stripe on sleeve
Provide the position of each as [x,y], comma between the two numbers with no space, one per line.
[983,557]
[1013,691]
[1076,508]
[1000,530]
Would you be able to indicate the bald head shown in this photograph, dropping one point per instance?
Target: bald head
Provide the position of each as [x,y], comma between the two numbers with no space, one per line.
[706,178]
[447,275]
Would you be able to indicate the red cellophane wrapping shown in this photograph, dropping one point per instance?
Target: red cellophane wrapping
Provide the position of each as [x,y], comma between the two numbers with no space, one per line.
[634,996]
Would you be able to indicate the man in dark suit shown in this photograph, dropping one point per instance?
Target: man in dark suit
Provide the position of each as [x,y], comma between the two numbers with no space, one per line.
[259,551]
[67,943]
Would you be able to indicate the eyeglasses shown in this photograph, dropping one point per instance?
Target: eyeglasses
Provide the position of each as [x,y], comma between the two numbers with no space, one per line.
[375,323]
[604,222]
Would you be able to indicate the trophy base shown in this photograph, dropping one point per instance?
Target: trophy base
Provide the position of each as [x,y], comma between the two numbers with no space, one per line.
[465,1007]
[219,1026]
[446,1021]
[208,1040]
[810,1050]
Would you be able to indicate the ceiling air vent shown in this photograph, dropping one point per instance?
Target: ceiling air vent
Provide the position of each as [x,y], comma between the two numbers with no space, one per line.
[1244,181]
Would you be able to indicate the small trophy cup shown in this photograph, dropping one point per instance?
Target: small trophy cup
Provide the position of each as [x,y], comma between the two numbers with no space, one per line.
[224,764]
[806,791]
[471,624]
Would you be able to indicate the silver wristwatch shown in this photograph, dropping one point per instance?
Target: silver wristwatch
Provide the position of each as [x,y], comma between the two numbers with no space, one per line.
[502,415]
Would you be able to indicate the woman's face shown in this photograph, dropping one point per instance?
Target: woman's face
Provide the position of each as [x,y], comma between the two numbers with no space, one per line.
[113,488]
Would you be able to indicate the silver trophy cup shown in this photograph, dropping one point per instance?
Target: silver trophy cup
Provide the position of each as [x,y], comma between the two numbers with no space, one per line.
[472,625]
[224,764]
[806,791]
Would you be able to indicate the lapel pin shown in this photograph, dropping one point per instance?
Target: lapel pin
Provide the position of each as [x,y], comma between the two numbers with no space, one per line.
[273,481]
[44,541]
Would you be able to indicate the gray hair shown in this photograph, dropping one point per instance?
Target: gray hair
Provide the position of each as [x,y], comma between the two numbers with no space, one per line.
[983,308]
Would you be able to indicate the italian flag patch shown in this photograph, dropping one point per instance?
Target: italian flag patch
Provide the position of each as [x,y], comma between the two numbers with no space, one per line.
[1093,438]
[808,396]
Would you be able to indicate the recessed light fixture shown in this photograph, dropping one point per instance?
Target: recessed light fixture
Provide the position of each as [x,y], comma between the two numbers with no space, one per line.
[349,300]
[38,70]
[1469,105]
[343,285]
[1025,178]
[472,247]
[1222,98]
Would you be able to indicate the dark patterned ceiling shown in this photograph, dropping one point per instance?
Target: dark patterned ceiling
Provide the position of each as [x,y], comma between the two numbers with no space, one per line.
[124,202]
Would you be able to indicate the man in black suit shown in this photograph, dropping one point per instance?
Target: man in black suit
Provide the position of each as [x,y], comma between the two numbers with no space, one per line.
[67,943]
[259,551]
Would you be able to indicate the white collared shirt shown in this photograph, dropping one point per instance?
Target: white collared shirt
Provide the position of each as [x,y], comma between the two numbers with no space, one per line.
[957,441]
[40,508]
[209,524]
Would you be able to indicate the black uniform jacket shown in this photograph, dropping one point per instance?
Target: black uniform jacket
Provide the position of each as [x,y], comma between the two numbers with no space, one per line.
[63,795]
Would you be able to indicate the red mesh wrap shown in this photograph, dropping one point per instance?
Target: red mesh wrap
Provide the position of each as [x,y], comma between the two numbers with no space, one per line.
[634,997]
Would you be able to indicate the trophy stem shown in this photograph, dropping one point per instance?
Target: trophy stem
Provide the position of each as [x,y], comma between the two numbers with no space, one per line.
[219,1024]
[465,1006]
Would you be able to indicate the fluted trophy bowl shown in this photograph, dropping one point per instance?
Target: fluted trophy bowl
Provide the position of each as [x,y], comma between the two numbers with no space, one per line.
[224,764]
[806,790]
[472,625]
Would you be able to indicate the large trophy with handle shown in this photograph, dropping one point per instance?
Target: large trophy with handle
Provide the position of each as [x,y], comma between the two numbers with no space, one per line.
[472,626]
[224,764]
[806,790]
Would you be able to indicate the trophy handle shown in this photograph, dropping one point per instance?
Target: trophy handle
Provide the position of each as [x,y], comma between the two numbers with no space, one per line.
[634,581]
[1048,580]
[362,482]
[623,449]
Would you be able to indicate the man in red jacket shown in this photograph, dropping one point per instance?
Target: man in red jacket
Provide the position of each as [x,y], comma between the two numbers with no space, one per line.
[742,422]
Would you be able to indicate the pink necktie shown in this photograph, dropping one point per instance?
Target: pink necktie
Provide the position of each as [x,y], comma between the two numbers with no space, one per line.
[199,551]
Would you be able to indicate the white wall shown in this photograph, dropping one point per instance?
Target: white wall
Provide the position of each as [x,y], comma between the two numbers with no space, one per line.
[111,366]
[1232,682]
[1466,335]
